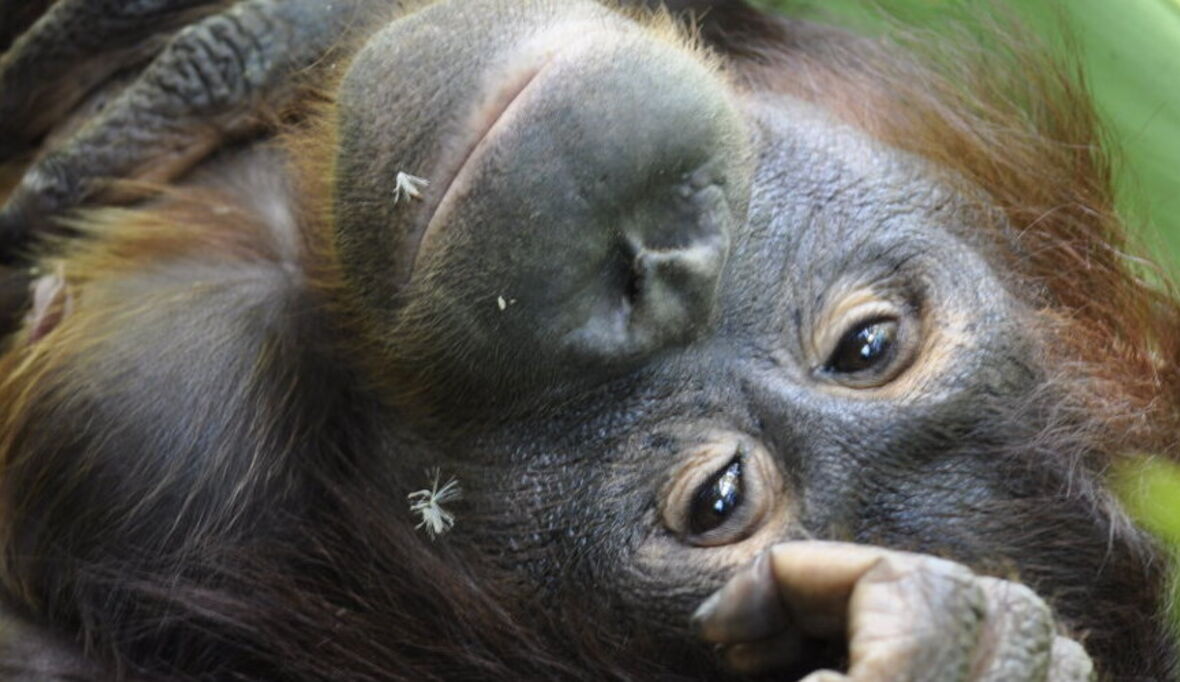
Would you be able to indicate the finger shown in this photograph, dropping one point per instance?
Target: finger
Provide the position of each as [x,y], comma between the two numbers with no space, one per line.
[1070,662]
[748,622]
[816,579]
[825,676]
[72,47]
[777,652]
[907,617]
[914,617]
[746,609]
[1018,638]
[203,88]
[904,612]
[52,302]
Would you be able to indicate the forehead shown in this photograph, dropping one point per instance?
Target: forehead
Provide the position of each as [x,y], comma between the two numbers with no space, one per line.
[831,208]
[828,192]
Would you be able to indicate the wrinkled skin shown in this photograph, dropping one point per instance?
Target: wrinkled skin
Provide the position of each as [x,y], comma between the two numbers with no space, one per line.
[632,313]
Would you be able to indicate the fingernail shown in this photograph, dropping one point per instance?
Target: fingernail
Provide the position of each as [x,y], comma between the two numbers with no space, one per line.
[706,610]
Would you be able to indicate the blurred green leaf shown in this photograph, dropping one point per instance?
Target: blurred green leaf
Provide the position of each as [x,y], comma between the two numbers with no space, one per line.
[1152,490]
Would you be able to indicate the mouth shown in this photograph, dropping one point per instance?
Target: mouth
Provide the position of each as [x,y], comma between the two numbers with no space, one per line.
[455,173]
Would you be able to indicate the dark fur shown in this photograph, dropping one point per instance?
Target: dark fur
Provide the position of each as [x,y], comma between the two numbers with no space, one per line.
[203,481]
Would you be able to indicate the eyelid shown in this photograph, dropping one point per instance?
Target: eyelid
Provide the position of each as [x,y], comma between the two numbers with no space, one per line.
[849,308]
[761,488]
[721,479]
[856,309]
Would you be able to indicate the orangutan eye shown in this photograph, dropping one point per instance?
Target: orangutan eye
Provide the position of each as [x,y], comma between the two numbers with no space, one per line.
[717,499]
[721,492]
[867,346]
[866,343]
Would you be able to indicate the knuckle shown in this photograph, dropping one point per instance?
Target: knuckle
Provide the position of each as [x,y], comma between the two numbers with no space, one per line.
[930,600]
[212,64]
[1010,592]
[1019,633]
[1019,606]
[920,569]
[1070,662]
[942,596]
[43,189]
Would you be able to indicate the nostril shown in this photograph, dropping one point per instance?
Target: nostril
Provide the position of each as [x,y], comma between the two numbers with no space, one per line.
[668,255]
[635,281]
[652,298]
[688,274]
[695,262]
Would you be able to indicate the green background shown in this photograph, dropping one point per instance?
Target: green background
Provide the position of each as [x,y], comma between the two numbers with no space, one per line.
[1130,54]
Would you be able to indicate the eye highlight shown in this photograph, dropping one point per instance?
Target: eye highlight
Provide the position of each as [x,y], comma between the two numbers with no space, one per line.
[864,340]
[721,493]
[864,347]
[717,499]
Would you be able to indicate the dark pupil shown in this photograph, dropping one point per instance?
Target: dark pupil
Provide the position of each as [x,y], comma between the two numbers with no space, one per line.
[716,499]
[863,347]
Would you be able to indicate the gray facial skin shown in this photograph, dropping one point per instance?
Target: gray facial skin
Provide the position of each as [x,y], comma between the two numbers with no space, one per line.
[730,387]
[775,231]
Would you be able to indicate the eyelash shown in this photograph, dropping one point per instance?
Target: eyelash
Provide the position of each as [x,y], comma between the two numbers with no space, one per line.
[730,481]
[723,493]
[871,351]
